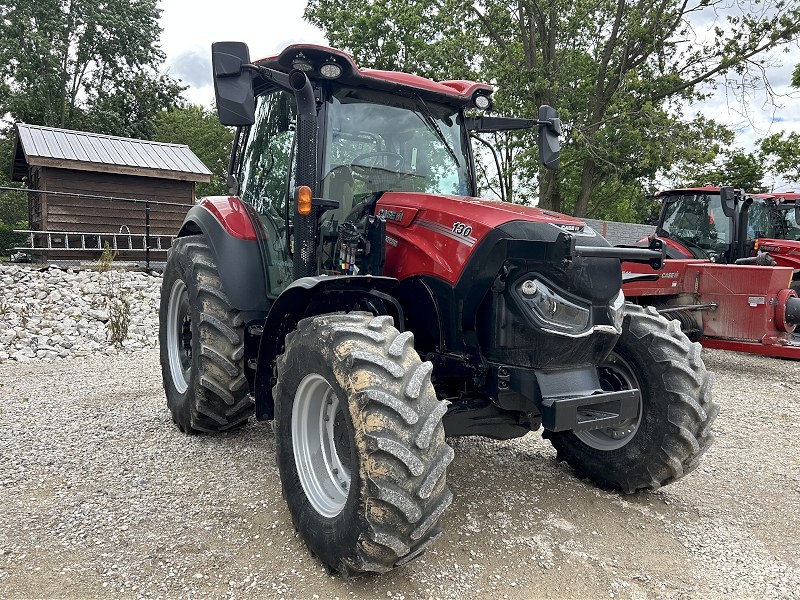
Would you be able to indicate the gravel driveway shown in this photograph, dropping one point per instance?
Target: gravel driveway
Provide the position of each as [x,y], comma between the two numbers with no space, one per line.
[102,496]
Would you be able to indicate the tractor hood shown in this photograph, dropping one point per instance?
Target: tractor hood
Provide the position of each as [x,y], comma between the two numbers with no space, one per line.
[489,213]
[436,235]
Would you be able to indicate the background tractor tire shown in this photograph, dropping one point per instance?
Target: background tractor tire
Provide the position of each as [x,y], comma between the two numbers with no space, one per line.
[672,429]
[360,442]
[201,337]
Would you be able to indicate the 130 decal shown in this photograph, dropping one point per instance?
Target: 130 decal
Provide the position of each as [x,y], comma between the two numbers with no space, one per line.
[462,229]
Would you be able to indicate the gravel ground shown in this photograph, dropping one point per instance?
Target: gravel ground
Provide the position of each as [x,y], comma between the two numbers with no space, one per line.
[102,496]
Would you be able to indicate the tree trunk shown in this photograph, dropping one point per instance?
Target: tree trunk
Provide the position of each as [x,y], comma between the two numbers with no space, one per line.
[587,183]
[549,192]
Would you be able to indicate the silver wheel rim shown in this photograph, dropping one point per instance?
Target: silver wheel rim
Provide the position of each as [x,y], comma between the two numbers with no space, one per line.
[615,374]
[179,336]
[317,420]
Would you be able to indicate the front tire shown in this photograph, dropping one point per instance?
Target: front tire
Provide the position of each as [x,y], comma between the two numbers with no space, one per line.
[672,430]
[360,442]
[201,339]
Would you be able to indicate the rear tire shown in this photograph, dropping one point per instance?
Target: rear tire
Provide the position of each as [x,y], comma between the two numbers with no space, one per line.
[201,338]
[672,430]
[360,442]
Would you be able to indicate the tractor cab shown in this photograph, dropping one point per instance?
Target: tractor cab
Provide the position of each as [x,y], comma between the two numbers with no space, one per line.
[369,132]
[694,220]
[783,213]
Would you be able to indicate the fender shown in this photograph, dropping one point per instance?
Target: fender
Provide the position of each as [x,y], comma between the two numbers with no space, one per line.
[307,297]
[234,233]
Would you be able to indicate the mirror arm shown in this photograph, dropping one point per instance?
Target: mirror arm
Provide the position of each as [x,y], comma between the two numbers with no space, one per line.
[495,124]
[281,80]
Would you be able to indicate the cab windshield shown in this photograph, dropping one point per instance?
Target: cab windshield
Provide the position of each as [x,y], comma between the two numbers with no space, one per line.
[698,222]
[378,142]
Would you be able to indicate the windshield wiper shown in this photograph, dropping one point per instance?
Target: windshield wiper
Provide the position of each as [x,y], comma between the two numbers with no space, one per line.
[434,126]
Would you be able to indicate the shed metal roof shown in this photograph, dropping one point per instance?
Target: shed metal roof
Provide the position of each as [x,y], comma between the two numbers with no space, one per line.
[83,151]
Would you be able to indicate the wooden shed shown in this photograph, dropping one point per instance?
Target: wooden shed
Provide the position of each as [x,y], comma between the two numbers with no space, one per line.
[87,189]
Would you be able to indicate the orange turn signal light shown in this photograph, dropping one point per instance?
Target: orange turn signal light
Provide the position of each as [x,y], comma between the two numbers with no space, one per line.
[302,198]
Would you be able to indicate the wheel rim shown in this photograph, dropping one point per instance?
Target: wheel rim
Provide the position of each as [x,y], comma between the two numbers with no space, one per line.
[179,336]
[615,375]
[321,444]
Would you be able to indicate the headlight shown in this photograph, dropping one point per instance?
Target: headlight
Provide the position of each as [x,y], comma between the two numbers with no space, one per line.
[551,308]
[616,310]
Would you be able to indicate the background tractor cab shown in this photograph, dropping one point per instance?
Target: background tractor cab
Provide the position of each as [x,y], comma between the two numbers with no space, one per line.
[775,219]
[726,226]
[703,223]
[726,278]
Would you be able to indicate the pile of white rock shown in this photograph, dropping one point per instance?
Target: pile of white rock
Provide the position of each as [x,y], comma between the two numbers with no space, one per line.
[53,314]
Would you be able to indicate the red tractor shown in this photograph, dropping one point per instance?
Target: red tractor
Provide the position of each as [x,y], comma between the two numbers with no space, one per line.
[731,275]
[353,291]
[775,224]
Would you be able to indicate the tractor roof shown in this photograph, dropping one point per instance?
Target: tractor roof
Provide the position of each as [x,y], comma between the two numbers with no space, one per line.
[706,189]
[458,93]
[787,197]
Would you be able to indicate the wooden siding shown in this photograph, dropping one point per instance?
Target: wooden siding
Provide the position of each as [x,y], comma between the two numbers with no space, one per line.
[76,214]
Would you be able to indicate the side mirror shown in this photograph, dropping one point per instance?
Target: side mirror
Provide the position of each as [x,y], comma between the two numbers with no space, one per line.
[233,84]
[728,200]
[549,146]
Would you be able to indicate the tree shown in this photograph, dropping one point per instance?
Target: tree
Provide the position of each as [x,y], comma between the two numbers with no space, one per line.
[620,73]
[201,130]
[82,64]
[782,156]
[742,170]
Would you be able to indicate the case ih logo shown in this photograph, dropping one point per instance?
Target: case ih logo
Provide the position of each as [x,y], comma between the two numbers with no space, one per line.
[391,215]
[573,228]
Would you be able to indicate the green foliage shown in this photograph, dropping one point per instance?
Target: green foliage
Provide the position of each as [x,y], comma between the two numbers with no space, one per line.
[13,207]
[106,259]
[621,96]
[738,168]
[9,239]
[782,156]
[796,76]
[119,319]
[201,130]
[13,215]
[116,297]
[134,115]
[85,65]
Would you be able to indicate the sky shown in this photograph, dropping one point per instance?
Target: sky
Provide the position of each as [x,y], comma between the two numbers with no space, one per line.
[267,26]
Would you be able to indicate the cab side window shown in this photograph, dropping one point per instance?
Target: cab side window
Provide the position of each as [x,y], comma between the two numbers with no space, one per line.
[265,162]
[757,221]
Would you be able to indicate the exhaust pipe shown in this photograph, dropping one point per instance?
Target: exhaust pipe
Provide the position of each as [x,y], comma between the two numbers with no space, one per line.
[305,226]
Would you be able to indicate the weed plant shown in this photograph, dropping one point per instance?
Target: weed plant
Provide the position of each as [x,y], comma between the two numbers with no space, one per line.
[116,297]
